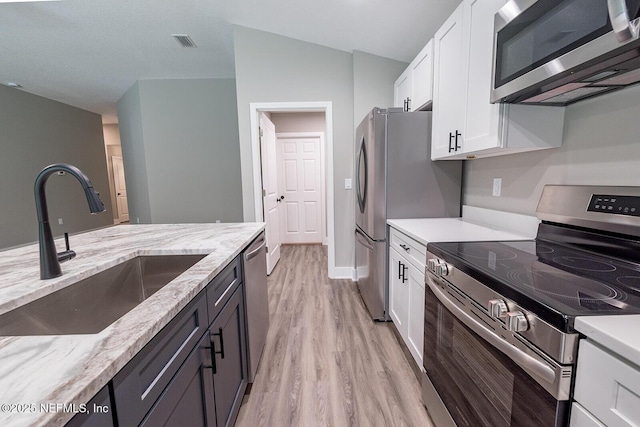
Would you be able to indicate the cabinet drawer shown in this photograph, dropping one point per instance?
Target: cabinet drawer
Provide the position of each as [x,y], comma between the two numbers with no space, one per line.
[607,387]
[139,384]
[580,417]
[220,290]
[413,251]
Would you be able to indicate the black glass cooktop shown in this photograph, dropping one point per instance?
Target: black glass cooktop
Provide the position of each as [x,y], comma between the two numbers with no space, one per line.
[554,281]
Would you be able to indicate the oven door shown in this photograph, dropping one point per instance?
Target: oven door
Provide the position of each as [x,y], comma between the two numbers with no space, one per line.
[469,381]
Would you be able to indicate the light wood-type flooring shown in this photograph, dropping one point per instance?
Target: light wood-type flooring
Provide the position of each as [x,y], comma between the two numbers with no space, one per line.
[325,362]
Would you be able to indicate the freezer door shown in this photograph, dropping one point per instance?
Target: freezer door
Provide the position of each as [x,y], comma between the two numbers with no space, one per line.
[370,175]
[371,274]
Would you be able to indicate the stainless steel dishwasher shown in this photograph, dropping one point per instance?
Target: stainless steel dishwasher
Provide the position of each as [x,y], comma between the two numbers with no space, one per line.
[257,300]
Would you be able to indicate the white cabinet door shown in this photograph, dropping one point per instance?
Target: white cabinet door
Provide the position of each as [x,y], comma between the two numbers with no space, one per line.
[415,327]
[422,78]
[402,89]
[449,86]
[465,124]
[399,292]
[607,386]
[481,130]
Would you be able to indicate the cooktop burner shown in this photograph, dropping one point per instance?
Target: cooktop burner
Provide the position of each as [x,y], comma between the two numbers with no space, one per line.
[547,277]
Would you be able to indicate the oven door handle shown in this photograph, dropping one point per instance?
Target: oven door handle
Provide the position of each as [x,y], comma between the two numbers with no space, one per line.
[522,359]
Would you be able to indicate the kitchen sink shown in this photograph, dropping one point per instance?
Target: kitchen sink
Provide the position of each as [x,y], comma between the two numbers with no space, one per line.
[92,304]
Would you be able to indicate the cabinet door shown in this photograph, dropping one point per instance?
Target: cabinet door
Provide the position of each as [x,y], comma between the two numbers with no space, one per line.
[100,412]
[422,78]
[402,89]
[188,399]
[449,86]
[415,327]
[399,292]
[227,335]
[482,128]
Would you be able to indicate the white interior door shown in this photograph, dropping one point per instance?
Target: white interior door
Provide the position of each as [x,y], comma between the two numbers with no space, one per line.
[122,206]
[300,182]
[271,197]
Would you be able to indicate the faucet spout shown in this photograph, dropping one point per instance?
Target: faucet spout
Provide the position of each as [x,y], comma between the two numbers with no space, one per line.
[49,263]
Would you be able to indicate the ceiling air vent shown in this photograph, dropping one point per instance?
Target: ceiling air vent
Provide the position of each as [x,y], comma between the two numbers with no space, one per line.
[184,40]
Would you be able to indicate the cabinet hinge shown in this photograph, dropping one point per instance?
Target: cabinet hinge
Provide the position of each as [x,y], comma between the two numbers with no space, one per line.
[261,133]
[264,193]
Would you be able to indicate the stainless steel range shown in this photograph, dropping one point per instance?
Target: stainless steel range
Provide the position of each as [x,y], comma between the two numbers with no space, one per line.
[499,346]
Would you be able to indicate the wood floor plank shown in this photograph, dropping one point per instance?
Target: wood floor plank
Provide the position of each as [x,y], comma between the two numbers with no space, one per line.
[325,362]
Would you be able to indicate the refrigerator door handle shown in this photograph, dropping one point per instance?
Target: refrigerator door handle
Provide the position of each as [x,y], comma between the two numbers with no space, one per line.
[362,195]
[362,238]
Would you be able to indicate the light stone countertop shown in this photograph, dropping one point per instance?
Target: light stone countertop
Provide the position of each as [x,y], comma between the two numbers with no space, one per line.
[427,230]
[617,333]
[71,369]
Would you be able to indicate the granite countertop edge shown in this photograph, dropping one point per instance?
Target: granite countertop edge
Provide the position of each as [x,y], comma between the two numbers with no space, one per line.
[71,369]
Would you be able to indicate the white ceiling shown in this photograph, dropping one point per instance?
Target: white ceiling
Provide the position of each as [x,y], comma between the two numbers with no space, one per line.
[87,53]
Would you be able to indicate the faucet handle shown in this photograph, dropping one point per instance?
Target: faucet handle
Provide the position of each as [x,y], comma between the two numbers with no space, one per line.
[68,253]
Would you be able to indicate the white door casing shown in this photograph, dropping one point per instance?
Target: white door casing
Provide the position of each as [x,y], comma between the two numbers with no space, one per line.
[270,193]
[301,183]
[254,190]
[122,206]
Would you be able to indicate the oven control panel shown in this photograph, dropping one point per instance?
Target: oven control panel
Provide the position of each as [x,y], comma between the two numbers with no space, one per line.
[620,205]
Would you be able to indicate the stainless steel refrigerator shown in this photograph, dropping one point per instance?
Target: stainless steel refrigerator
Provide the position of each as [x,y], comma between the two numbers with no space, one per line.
[395,178]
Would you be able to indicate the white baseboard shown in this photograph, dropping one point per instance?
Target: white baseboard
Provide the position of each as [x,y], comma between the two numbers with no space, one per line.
[343,273]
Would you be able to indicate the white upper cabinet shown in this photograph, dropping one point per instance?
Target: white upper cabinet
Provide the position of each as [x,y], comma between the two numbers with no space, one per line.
[465,123]
[413,90]
[402,89]
[449,91]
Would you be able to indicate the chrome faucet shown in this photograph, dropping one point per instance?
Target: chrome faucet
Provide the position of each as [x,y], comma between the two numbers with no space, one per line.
[49,258]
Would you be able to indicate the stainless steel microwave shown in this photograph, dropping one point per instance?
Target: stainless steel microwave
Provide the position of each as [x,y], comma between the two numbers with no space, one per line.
[558,52]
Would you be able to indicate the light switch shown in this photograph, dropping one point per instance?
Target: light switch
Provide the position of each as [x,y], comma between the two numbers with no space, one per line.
[347,184]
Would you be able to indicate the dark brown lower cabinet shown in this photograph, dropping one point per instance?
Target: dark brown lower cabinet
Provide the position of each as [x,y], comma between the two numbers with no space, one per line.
[99,412]
[188,400]
[228,339]
[193,372]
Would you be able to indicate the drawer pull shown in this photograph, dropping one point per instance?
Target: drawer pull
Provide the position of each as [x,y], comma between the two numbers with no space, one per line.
[405,247]
[224,293]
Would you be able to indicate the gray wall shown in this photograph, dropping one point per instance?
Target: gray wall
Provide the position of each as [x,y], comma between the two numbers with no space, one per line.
[272,68]
[373,78]
[600,146]
[298,122]
[36,132]
[180,142]
[133,155]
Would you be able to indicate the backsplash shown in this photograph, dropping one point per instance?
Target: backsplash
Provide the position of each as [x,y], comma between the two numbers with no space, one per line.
[601,146]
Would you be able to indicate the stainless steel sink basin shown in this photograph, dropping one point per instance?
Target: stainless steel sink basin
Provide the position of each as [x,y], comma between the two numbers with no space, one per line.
[92,304]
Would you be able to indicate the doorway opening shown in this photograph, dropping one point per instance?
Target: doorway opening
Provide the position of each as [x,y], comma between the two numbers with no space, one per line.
[301,157]
[115,173]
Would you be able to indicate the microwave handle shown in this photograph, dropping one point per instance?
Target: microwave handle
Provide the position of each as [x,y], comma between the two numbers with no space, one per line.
[525,361]
[624,29]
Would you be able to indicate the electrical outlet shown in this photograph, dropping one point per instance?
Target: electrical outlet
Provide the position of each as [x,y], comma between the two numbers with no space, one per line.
[60,222]
[217,221]
[497,187]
